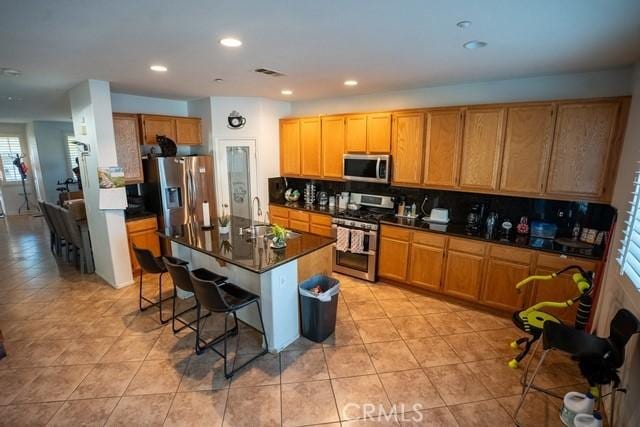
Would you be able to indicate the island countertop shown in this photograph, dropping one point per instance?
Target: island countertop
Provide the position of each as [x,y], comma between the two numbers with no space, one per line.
[251,254]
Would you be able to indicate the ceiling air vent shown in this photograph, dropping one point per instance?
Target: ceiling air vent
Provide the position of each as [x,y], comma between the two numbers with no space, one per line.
[268,72]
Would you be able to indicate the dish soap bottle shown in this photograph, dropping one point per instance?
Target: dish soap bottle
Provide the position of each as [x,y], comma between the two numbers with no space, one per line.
[414,210]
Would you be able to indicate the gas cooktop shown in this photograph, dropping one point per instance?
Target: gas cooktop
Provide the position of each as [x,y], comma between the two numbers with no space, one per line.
[362,214]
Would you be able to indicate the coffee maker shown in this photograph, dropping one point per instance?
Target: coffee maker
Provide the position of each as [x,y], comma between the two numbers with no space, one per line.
[474,218]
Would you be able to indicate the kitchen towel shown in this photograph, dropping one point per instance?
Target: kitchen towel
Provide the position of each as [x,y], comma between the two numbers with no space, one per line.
[357,241]
[342,239]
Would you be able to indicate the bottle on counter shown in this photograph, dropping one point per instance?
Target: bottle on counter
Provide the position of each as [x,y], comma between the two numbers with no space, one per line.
[401,208]
[414,210]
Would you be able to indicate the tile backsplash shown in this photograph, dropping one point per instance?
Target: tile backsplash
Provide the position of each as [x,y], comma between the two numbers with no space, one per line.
[563,213]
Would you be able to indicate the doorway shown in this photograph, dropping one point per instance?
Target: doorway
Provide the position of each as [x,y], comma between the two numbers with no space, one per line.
[237,175]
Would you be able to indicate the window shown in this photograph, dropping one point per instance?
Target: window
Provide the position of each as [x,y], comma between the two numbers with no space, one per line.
[629,258]
[73,152]
[9,147]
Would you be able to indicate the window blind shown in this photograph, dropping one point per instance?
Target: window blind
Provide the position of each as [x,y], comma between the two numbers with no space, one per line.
[73,152]
[9,147]
[629,253]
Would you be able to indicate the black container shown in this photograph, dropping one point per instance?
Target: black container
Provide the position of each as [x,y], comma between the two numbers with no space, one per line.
[318,318]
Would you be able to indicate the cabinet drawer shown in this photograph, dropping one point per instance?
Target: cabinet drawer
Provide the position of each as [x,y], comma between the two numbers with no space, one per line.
[279,211]
[298,215]
[468,246]
[298,225]
[429,239]
[558,262]
[510,254]
[279,220]
[321,230]
[142,225]
[396,233]
[320,219]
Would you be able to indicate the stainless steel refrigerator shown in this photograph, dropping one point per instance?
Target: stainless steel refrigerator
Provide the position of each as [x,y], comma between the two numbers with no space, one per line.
[176,187]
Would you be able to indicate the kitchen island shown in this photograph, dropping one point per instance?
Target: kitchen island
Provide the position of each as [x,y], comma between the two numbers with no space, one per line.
[252,264]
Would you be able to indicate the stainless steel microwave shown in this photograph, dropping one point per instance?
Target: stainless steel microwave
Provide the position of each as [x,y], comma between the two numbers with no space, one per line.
[366,167]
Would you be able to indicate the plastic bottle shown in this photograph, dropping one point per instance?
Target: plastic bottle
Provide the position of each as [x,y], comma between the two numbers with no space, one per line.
[575,403]
[414,209]
[588,420]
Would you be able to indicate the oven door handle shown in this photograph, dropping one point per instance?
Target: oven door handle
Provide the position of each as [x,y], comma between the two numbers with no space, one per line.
[368,253]
[366,233]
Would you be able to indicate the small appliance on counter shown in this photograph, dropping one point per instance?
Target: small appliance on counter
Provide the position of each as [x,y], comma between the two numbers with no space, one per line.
[277,187]
[474,218]
[323,198]
[343,200]
[438,216]
[544,230]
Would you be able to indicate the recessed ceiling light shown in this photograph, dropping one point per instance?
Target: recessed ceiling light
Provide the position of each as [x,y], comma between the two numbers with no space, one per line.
[230,42]
[474,44]
[9,72]
[464,24]
[158,68]
[218,80]
[13,98]
[286,92]
[351,83]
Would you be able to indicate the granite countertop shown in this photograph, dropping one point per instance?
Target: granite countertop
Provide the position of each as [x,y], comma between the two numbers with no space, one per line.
[459,230]
[313,208]
[253,255]
[138,215]
[525,242]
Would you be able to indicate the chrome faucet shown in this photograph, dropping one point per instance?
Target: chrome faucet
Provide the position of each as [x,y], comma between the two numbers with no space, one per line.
[254,230]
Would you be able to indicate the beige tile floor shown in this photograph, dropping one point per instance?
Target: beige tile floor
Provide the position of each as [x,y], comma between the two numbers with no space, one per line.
[80,353]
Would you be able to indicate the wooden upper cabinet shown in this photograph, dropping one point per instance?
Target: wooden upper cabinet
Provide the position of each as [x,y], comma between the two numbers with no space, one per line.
[127,135]
[153,126]
[407,143]
[332,146]
[442,147]
[581,148]
[310,147]
[290,147]
[481,147]
[356,133]
[368,133]
[188,130]
[379,133]
[527,146]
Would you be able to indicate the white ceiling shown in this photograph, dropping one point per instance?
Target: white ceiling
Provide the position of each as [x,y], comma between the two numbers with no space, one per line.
[384,44]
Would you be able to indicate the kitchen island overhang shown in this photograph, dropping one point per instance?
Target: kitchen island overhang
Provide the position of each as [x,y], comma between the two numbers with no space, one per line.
[250,263]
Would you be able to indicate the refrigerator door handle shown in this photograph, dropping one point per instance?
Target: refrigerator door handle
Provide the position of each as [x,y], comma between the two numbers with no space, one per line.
[191,195]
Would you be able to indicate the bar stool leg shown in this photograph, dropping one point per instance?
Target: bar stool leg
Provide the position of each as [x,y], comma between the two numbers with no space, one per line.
[140,301]
[160,299]
[529,384]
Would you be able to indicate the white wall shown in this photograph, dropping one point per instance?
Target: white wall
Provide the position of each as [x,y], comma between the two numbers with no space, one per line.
[262,125]
[51,145]
[35,161]
[93,125]
[617,291]
[11,193]
[583,85]
[125,103]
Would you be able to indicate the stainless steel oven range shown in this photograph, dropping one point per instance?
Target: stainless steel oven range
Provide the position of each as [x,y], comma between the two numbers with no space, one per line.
[360,263]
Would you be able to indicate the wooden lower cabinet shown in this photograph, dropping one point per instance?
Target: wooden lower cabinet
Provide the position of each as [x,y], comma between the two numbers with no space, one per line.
[425,266]
[142,234]
[299,220]
[281,221]
[463,275]
[499,287]
[393,258]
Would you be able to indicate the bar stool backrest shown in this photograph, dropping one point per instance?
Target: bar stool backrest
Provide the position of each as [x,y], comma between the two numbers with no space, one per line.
[55,221]
[46,216]
[72,227]
[147,261]
[208,295]
[623,326]
[179,273]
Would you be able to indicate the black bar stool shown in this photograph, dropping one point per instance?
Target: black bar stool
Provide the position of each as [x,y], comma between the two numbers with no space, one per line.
[181,279]
[228,299]
[152,265]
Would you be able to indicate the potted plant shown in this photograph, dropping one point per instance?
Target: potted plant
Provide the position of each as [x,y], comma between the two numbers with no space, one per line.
[224,220]
[279,239]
